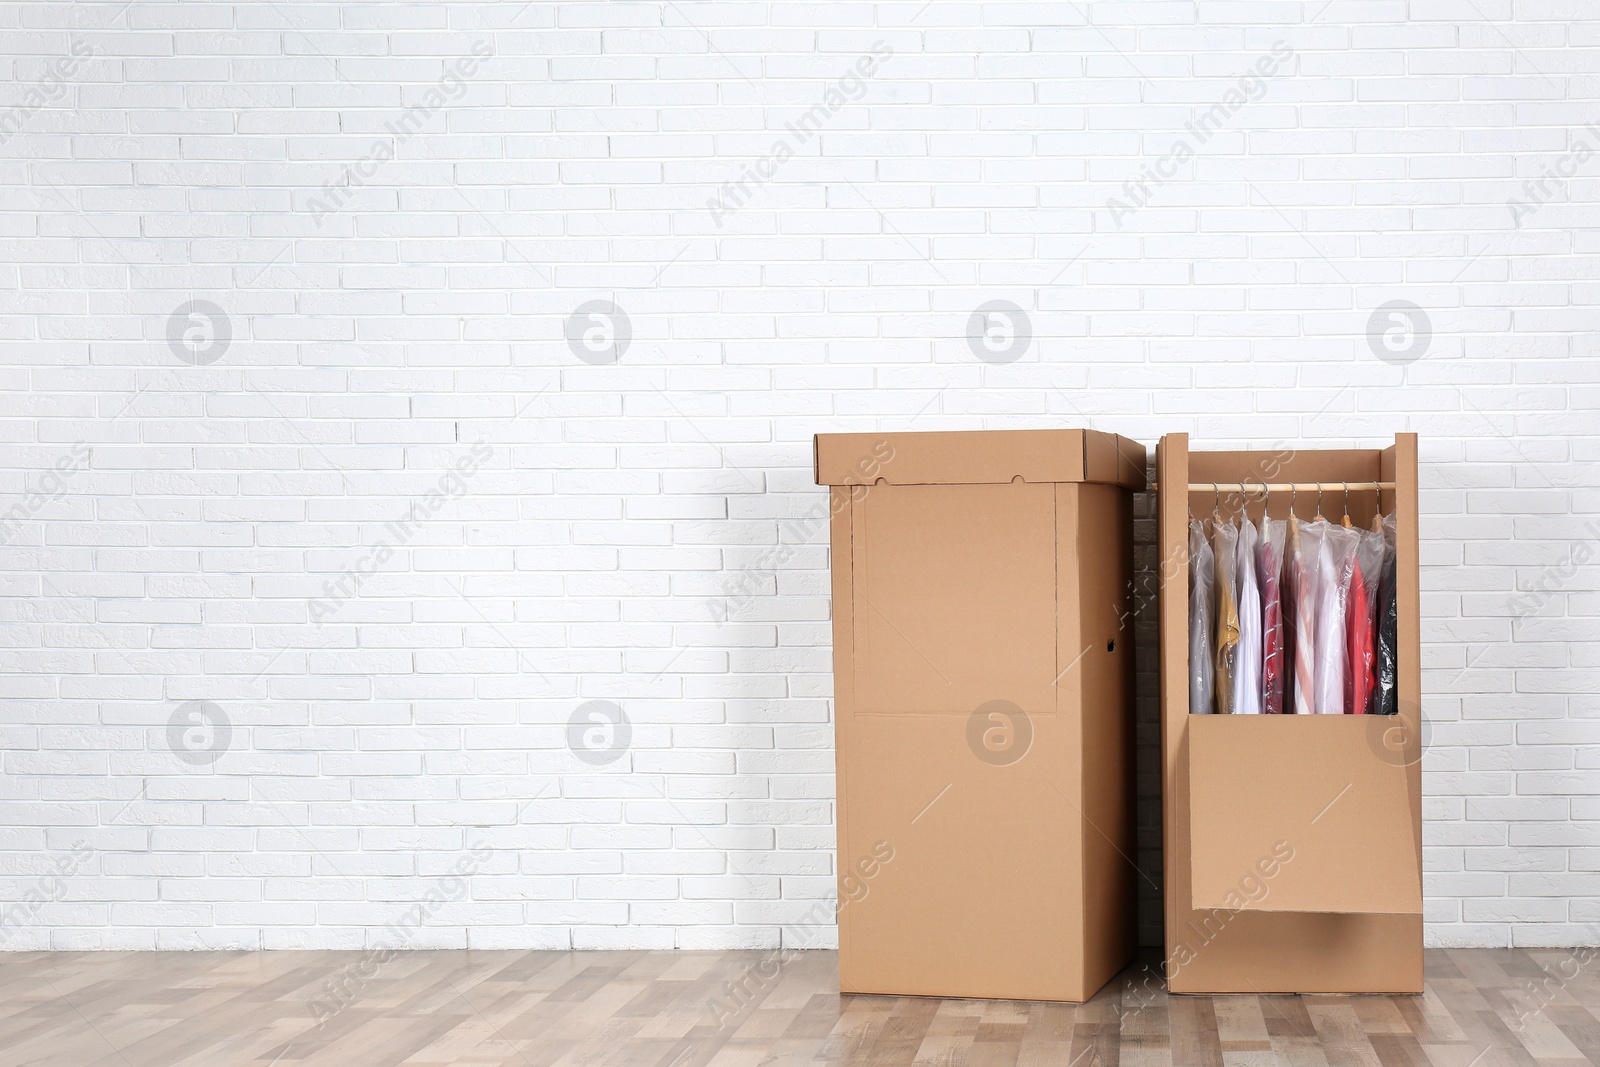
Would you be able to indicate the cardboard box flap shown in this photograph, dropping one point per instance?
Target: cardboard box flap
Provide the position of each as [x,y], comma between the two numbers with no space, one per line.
[978,456]
[1302,813]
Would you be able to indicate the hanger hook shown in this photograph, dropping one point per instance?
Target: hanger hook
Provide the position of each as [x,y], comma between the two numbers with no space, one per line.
[1346,499]
[1294,494]
[1216,503]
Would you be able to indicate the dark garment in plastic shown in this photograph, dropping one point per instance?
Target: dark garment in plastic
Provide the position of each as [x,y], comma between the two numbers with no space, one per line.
[1286,629]
[1388,702]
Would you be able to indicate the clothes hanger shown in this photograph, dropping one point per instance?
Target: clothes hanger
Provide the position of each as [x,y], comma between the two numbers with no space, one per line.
[1318,517]
[1346,519]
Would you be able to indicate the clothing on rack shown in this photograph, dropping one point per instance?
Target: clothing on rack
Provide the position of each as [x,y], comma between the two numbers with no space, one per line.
[1225,633]
[1288,602]
[1305,541]
[1247,658]
[1269,568]
[1292,617]
[1202,574]
[1335,560]
[1358,648]
[1361,637]
[1388,699]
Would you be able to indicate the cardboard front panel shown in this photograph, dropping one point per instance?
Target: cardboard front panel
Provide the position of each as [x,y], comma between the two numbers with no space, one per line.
[1299,813]
[953,598]
[1221,951]
[983,894]
[958,754]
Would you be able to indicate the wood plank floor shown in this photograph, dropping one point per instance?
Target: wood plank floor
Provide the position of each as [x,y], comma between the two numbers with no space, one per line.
[1483,1008]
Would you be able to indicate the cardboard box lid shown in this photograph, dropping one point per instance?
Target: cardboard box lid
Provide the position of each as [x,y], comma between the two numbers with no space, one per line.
[977,456]
[1324,786]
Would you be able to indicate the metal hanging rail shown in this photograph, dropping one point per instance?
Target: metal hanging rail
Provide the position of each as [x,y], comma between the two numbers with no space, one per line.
[1281,487]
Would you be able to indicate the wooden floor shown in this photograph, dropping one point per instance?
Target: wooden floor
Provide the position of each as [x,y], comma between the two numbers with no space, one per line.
[1483,1008]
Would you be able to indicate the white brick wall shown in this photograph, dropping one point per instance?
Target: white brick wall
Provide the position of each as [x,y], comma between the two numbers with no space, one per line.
[398,532]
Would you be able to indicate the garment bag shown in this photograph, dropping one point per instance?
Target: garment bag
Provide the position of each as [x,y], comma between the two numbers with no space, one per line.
[1202,575]
[1225,634]
[1247,657]
[1269,570]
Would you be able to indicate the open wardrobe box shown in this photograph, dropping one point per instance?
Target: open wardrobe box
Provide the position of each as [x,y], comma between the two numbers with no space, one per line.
[1292,842]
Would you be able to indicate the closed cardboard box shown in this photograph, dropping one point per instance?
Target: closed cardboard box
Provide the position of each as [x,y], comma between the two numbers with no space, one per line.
[983,681]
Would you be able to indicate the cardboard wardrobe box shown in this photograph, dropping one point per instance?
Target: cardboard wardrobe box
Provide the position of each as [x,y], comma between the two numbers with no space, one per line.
[1292,843]
[983,687]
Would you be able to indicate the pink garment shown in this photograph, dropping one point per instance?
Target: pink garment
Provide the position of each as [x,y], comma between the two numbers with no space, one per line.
[1269,565]
[1358,647]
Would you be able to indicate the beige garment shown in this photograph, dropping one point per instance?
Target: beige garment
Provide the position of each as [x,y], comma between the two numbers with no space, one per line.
[1225,539]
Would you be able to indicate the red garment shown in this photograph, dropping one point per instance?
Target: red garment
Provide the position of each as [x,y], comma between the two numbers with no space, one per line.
[1363,658]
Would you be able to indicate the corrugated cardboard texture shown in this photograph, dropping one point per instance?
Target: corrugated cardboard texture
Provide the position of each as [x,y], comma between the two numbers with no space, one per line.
[1100,650]
[948,604]
[983,897]
[1313,789]
[955,588]
[1251,949]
